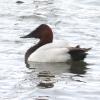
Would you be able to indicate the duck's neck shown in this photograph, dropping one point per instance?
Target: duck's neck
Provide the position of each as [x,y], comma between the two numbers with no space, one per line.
[33,48]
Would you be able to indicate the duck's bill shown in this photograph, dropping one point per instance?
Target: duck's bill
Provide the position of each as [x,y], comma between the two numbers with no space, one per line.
[33,34]
[26,36]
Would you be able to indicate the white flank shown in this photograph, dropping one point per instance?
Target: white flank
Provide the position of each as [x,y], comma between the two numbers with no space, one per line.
[52,52]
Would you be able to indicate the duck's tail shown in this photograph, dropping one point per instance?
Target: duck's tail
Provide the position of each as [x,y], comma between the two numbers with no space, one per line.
[78,53]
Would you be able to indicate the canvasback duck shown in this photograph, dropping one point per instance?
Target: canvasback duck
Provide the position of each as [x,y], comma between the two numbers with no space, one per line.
[47,50]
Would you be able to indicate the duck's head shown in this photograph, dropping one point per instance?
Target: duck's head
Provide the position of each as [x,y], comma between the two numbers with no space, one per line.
[43,32]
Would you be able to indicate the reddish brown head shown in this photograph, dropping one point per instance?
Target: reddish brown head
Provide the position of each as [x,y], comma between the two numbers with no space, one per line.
[43,32]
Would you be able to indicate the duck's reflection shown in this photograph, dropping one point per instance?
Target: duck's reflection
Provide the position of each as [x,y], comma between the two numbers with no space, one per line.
[47,71]
[78,67]
[59,68]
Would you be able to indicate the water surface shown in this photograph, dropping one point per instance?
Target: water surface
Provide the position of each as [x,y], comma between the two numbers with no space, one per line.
[71,20]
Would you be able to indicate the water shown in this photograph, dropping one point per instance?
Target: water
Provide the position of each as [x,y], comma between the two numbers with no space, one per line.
[72,20]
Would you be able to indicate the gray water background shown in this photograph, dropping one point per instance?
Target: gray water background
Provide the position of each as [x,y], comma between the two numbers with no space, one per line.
[71,20]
